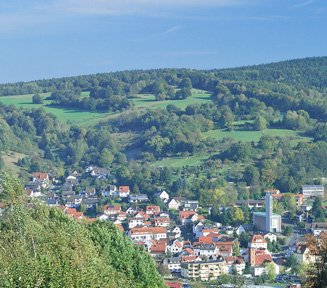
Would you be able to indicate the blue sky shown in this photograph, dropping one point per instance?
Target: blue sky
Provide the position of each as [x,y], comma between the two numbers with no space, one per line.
[53,38]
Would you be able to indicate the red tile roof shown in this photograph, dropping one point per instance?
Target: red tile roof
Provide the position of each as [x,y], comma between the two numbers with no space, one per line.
[152,208]
[190,258]
[258,239]
[189,251]
[124,189]
[173,284]
[74,213]
[40,175]
[158,247]
[186,214]
[260,256]
[147,230]
[114,208]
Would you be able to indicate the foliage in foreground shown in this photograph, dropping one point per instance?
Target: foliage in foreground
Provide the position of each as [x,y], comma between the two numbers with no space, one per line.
[42,247]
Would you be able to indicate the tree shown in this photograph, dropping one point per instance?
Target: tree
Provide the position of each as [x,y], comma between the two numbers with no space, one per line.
[288,230]
[260,123]
[236,249]
[185,83]
[317,210]
[183,93]
[244,239]
[270,271]
[317,272]
[37,99]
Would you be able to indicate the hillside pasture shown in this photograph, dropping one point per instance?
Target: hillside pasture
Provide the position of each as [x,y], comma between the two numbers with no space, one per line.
[149,100]
[68,115]
[249,136]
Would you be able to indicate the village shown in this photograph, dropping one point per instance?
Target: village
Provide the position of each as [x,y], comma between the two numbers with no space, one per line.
[186,245]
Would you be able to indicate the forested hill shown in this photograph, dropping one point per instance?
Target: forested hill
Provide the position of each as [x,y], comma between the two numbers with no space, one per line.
[42,247]
[303,72]
[307,72]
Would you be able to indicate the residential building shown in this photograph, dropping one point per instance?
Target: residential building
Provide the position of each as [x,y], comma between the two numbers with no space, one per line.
[161,222]
[112,210]
[138,198]
[173,264]
[309,191]
[164,196]
[235,263]
[123,191]
[135,222]
[152,209]
[206,270]
[303,254]
[148,233]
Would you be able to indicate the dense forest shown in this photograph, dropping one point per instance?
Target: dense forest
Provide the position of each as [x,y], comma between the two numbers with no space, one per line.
[42,247]
[286,96]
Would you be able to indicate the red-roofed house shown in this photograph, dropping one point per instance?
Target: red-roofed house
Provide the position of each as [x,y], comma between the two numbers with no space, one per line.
[152,209]
[112,210]
[123,191]
[41,177]
[72,212]
[258,241]
[158,247]
[176,247]
[173,284]
[185,216]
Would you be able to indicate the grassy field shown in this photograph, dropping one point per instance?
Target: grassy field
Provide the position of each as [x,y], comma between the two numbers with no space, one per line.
[75,116]
[248,136]
[148,100]
[10,160]
[86,118]
[178,162]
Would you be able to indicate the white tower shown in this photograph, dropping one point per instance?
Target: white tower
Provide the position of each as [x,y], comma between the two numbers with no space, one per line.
[269,212]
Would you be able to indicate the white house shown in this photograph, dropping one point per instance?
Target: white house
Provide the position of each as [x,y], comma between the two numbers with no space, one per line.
[124,191]
[235,263]
[197,229]
[177,231]
[134,222]
[239,230]
[175,203]
[175,247]
[147,233]
[272,237]
[164,196]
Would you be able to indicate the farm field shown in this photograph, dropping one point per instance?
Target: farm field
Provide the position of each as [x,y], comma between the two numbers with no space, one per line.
[248,136]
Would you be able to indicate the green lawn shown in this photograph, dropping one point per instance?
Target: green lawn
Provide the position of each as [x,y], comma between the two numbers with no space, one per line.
[86,118]
[75,116]
[248,136]
[148,100]
[177,162]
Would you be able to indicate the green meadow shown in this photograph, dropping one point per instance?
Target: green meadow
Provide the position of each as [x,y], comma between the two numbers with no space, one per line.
[178,162]
[88,118]
[74,116]
[149,101]
[248,136]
